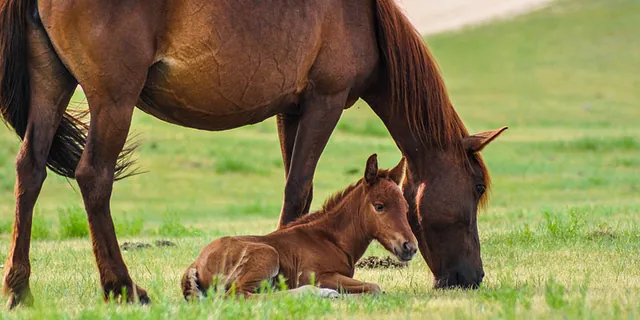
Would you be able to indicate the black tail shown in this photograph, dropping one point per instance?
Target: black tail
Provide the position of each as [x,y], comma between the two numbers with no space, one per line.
[15,93]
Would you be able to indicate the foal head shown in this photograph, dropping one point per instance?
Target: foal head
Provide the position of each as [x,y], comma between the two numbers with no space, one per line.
[385,209]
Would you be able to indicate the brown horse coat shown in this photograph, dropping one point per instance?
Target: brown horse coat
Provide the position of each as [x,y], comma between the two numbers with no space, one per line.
[217,65]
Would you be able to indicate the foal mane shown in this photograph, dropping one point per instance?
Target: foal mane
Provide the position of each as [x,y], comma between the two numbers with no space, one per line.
[417,86]
[331,203]
[334,200]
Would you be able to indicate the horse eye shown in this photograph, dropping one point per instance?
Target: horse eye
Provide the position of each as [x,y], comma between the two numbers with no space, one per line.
[378,207]
[481,188]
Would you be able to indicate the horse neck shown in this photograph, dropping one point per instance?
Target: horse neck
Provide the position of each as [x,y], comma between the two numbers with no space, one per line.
[408,92]
[347,226]
[419,153]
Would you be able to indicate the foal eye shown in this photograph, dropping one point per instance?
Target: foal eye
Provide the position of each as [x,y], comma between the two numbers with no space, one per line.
[378,207]
[481,188]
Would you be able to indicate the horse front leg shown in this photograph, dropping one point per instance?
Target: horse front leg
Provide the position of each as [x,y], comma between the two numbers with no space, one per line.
[319,117]
[287,129]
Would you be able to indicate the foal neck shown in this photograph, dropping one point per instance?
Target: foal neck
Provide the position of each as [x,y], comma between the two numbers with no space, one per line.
[346,225]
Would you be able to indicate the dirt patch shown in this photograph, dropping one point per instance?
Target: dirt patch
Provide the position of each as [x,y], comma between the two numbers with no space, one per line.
[602,234]
[374,262]
[164,243]
[129,246]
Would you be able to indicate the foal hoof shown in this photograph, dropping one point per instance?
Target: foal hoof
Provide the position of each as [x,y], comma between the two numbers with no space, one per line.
[23,298]
[328,293]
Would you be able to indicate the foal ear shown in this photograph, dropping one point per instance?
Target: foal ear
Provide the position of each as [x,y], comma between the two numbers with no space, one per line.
[397,173]
[477,142]
[371,171]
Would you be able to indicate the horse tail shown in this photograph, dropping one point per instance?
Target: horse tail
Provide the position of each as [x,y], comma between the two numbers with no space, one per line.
[16,17]
[415,81]
[15,91]
[190,284]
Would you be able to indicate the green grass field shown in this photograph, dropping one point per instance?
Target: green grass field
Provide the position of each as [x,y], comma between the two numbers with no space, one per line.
[560,239]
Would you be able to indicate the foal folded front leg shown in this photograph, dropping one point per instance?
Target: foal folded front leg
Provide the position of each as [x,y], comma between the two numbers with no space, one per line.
[95,174]
[345,284]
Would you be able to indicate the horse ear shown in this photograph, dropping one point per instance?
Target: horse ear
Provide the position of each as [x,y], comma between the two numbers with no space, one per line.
[371,171]
[477,142]
[397,173]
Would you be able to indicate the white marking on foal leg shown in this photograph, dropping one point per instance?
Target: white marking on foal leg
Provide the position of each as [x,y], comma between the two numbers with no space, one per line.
[315,291]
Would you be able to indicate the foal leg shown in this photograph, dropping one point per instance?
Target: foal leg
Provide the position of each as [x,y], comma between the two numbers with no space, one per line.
[339,282]
[262,263]
[309,289]
[320,114]
[51,89]
[287,129]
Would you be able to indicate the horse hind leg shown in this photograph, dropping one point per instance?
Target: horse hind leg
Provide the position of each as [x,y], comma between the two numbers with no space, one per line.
[96,172]
[51,89]
[111,65]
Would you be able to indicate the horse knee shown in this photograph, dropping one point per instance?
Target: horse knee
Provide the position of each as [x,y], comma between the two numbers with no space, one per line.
[89,177]
[29,172]
[85,174]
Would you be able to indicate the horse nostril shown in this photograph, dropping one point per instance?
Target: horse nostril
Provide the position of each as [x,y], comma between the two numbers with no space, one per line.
[408,247]
[481,275]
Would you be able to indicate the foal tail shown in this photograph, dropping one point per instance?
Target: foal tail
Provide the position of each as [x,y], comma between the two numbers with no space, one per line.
[16,17]
[191,285]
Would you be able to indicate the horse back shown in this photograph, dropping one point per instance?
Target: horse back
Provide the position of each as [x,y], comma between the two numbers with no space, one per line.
[217,65]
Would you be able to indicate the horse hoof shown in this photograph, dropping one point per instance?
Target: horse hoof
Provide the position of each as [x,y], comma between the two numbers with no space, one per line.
[23,298]
[122,294]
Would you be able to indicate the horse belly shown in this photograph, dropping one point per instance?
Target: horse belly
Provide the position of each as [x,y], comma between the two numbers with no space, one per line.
[190,94]
[233,63]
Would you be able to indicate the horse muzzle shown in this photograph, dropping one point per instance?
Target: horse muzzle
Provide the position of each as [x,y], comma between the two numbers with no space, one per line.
[460,278]
[406,251]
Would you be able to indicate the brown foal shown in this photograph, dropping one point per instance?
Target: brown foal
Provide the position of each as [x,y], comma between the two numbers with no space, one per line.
[326,243]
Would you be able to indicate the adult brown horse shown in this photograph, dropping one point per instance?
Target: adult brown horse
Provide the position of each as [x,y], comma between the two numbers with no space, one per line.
[326,243]
[216,65]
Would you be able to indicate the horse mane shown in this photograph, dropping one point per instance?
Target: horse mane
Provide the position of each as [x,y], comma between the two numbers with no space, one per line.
[417,86]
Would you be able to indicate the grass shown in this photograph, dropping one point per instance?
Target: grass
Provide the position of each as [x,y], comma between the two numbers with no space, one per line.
[560,239]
